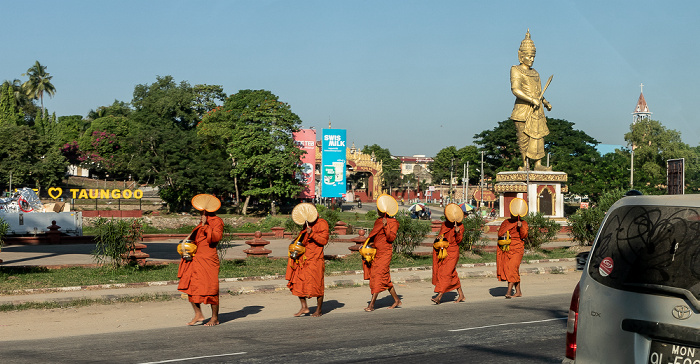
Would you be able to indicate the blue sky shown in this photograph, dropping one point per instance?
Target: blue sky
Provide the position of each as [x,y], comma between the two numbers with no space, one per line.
[411,76]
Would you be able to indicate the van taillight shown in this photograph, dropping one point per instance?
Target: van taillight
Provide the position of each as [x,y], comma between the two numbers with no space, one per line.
[572,324]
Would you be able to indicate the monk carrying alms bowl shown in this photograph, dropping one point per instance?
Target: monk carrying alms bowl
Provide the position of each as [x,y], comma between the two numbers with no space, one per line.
[446,254]
[306,265]
[510,254]
[199,266]
[380,238]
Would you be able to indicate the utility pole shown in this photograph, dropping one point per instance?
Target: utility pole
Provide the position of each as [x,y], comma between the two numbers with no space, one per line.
[464,183]
[452,167]
[632,169]
[481,184]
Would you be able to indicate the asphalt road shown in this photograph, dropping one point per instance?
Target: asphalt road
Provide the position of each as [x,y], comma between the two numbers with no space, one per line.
[520,330]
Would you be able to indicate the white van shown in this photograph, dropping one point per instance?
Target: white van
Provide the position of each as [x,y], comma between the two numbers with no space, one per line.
[638,300]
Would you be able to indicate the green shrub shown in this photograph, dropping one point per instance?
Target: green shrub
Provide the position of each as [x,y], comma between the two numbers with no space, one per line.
[541,230]
[411,233]
[586,222]
[330,215]
[4,228]
[291,226]
[473,230]
[371,215]
[114,238]
[225,242]
[263,225]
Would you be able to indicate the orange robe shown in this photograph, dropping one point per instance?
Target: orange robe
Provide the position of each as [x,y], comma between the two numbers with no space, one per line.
[445,276]
[378,272]
[305,275]
[508,263]
[199,277]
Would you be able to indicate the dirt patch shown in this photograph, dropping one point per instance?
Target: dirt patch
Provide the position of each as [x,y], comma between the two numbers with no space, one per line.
[579,248]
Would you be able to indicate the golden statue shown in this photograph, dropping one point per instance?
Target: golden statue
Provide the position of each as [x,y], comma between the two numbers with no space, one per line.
[528,113]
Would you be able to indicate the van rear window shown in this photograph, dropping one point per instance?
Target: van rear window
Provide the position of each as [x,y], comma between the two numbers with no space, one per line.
[643,247]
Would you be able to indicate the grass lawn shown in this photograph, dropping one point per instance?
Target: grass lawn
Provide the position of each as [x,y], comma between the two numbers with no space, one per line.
[17,278]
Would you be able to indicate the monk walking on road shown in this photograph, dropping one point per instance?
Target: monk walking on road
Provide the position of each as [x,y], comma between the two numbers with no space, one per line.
[306,265]
[382,235]
[511,247]
[199,268]
[446,254]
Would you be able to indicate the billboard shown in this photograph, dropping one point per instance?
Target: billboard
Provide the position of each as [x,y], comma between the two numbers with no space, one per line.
[333,163]
[675,176]
[305,139]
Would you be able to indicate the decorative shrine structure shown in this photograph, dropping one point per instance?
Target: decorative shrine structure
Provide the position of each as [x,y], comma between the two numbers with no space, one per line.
[363,171]
[543,191]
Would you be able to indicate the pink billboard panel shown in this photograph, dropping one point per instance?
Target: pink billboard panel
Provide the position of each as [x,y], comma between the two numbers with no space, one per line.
[305,139]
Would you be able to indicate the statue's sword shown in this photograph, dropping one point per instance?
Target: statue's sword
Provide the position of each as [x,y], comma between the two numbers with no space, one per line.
[549,80]
[532,110]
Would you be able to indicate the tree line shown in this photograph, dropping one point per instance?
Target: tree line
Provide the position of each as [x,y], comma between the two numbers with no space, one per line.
[184,139]
[188,139]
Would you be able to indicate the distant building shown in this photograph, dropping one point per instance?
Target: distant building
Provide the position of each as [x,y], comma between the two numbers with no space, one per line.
[641,111]
[418,165]
[74,170]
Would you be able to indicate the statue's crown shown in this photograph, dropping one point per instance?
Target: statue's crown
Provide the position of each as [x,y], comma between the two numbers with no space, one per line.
[527,45]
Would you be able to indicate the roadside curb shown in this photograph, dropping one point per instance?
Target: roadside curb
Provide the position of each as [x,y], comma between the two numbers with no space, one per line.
[265,283]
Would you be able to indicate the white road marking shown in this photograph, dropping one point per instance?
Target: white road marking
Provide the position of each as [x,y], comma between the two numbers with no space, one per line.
[194,358]
[509,324]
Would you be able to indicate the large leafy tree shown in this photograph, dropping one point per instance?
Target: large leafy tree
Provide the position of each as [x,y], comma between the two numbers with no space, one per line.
[451,161]
[29,159]
[391,167]
[256,129]
[163,147]
[118,108]
[570,150]
[69,128]
[39,83]
[10,112]
[103,147]
[653,145]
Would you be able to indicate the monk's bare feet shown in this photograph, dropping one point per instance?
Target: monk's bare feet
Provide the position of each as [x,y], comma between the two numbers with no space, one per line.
[196,321]
[518,295]
[396,304]
[435,300]
[369,309]
[303,311]
[212,322]
[460,299]
[508,296]
[317,313]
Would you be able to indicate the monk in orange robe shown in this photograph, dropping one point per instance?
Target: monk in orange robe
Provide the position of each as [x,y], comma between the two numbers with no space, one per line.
[508,261]
[305,274]
[445,276]
[382,235]
[199,277]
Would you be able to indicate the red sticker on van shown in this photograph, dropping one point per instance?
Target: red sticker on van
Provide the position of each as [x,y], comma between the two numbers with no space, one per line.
[606,267]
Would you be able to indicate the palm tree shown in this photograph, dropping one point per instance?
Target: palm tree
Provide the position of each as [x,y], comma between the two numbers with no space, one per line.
[38,83]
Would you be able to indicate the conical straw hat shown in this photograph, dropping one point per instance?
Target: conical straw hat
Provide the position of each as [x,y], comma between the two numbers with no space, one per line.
[518,207]
[206,202]
[388,204]
[454,213]
[303,213]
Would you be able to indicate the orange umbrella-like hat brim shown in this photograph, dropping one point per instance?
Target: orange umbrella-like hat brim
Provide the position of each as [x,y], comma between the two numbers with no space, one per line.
[206,202]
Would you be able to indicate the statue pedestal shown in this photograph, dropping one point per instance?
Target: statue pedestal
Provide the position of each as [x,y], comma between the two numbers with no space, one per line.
[543,191]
